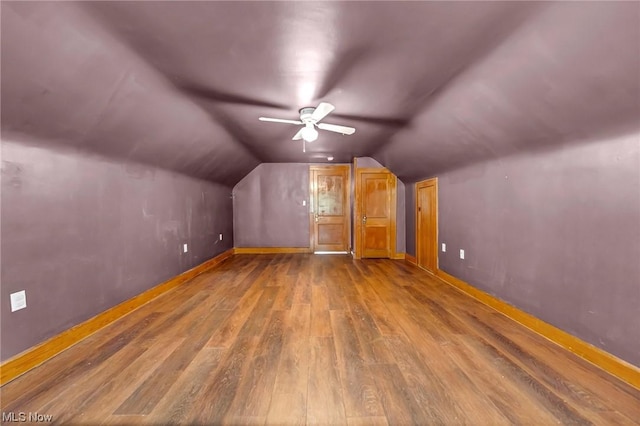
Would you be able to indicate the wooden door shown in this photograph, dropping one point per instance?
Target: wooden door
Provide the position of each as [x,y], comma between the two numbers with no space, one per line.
[376,199]
[427,224]
[330,209]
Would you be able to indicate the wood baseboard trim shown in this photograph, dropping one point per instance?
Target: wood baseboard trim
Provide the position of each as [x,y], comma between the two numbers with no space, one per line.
[600,358]
[271,250]
[33,357]
[399,256]
[411,259]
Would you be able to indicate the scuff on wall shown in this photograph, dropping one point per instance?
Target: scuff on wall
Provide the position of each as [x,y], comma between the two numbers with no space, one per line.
[81,233]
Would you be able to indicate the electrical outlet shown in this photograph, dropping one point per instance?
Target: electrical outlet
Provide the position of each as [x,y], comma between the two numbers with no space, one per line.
[444,247]
[461,254]
[18,300]
[220,237]
[304,203]
[185,248]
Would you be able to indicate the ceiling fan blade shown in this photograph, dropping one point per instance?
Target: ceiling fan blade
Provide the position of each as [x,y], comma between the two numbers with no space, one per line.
[210,94]
[336,128]
[298,135]
[279,120]
[322,111]
[381,121]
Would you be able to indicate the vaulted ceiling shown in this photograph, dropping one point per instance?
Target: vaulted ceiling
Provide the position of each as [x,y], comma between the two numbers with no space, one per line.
[428,85]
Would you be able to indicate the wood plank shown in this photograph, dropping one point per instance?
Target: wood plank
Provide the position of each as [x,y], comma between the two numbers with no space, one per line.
[400,405]
[498,388]
[302,292]
[367,421]
[99,400]
[253,395]
[581,372]
[306,339]
[225,335]
[148,394]
[175,406]
[260,314]
[618,367]
[374,349]
[217,395]
[287,293]
[361,396]
[296,265]
[428,387]
[289,399]
[79,366]
[31,358]
[325,405]
[65,399]
[378,310]
[270,250]
[230,292]
[547,376]
[320,320]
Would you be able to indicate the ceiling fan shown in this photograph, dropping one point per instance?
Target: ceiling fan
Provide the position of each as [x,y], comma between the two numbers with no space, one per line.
[309,118]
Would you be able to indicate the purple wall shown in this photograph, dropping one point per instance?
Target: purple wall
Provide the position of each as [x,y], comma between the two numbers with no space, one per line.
[368,162]
[83,233]
[267,206]
[554,233]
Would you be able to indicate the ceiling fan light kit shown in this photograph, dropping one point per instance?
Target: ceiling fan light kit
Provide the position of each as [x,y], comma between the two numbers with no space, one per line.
[310,117]
[309,134]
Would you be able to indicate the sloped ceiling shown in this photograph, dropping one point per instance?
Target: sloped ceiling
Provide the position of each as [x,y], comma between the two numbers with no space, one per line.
[428,85]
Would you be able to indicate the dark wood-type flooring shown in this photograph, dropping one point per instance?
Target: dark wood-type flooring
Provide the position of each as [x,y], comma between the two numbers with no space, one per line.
[303,339]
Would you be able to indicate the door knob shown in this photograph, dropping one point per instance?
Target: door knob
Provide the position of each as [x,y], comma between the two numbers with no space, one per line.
[364,219]
[316,217]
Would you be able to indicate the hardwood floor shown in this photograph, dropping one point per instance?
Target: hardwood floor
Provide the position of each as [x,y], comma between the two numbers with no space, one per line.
[303,339]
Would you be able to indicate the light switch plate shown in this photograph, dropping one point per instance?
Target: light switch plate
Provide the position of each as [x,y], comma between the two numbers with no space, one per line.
[461,254]
[18,300]
[444,247]
[185,248]
[220,237]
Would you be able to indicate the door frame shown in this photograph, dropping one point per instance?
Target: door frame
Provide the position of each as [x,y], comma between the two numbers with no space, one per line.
[357,204]
[312,206]
[418,186]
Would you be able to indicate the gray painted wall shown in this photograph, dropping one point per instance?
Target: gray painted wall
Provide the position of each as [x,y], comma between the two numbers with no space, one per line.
[554,233]
[267,206]
[82,233]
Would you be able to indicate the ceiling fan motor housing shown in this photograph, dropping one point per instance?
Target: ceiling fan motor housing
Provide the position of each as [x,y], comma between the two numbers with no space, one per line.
[305,114]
